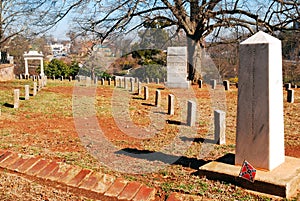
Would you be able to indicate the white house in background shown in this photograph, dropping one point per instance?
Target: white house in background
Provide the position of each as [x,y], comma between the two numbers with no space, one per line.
[59,49]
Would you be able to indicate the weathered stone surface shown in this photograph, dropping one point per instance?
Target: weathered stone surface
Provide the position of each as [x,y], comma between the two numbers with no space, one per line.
[260,128]
[177,68]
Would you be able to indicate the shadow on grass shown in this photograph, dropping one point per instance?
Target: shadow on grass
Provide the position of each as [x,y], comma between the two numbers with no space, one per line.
[165,158]
[138,98]
[160,113]
[227,158]
[202,140]
[8,105]
[148,104]
[175,122]
[22,98]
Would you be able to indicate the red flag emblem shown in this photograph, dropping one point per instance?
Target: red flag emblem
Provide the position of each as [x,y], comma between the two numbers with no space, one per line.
[247,171]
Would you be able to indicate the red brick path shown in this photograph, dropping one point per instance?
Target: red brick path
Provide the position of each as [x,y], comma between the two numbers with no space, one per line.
[106,186]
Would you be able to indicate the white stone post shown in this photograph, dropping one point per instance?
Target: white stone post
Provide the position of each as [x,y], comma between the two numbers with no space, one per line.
[157,98]
[16,98]
[171,99]
[200,83]
[191,113]
[139,88]
[42,68]
[146,93]
[260,123]
[26,67]
[220,126]
[125,83]
[213,84]
[226,85]
[26,92]
[132,85]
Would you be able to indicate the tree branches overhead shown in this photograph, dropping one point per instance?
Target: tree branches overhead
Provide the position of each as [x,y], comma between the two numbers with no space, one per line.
[198,18]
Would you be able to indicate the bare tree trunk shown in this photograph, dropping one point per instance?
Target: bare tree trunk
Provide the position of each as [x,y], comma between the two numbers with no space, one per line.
[194,59]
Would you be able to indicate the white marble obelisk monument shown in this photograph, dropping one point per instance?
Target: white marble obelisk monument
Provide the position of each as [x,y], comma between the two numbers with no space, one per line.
[260,123]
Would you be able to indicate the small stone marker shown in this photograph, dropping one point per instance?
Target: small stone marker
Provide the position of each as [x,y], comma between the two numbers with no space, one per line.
[16,98]
[102,81]
[177,68]
[53,77]
[115,82]
[290,96]
[146,93]
[171,99]
[34,88]
[220,126]
[62,78]
[157,80]
[120,83]
[26,92]
[213,84]
[200,83]
[21,77]
[157,98]
[191,113]
[260,123]
[70,78]
[147,80]
[132,85]
[226,85]
[125,83]
[139,88]
[109,81]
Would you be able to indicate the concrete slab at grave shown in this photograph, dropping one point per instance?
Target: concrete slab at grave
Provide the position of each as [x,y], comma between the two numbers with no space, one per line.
[283,181]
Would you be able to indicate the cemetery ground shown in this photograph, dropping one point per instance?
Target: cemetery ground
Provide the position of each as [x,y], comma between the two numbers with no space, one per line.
[44,126]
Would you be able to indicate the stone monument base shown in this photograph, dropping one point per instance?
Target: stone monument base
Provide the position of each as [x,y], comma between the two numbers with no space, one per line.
[181,85]
[283,181]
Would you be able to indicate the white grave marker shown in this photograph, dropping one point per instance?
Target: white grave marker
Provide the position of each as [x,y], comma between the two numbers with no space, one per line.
[177,68]
[260,125]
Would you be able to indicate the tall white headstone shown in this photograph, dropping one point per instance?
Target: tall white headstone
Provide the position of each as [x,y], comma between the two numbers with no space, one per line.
[260,123]
[177,68]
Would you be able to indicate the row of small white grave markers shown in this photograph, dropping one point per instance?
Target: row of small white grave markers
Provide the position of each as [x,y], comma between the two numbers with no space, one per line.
[42,83]
[123,82]
[219,116]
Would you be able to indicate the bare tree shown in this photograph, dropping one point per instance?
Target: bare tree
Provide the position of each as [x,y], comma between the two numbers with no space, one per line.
[27,17]
[199,19]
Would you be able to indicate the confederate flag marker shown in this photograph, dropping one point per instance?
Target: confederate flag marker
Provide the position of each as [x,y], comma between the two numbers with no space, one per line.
[247,171]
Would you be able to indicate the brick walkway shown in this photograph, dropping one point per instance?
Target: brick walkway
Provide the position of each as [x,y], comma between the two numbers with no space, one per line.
[103,186]
[106,187]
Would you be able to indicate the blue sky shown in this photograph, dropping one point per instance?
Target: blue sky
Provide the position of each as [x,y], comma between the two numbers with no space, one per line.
[60,30]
